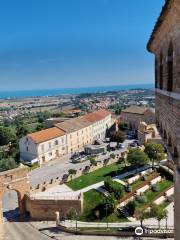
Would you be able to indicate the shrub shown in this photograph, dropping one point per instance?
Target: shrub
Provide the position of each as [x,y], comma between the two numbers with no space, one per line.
[145,178]
[155,188]
[93,162]
[128,188]
[131,206]
[141,199]
[72,214]
[112,155]
[114,187]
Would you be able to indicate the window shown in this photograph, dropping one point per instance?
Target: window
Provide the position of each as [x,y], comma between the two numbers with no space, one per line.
[42,147]
[49,145]
[170,68]
[56,142]
[161,72]
[27,149]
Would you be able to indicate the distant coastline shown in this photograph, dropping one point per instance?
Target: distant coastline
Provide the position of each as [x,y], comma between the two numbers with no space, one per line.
[56,92]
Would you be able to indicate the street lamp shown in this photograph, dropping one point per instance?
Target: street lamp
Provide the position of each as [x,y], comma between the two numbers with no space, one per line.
[166,221]
[106,208]
[76,218]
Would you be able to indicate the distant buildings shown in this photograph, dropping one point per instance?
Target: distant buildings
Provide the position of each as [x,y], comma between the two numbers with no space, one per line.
[65,137]
[134,115]
[165,44]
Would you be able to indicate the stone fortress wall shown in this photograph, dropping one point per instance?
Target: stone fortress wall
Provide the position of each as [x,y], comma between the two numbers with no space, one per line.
[165,45]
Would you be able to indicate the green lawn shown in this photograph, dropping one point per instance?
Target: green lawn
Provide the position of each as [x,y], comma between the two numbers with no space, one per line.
[96,176]
[92,199]
[137,183]
[152,195]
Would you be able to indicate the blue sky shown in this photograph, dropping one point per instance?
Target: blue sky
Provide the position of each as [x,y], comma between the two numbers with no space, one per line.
[74,43]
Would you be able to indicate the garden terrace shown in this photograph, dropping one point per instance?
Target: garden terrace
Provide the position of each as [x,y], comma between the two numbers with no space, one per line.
[152,196]
[144,183]
[93,199]
[98,176]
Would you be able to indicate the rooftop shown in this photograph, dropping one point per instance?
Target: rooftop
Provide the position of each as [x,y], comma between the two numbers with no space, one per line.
[135,110]
[45,135]
[96,116]
[73,124]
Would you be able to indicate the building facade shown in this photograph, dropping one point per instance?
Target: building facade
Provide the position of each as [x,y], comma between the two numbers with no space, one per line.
[43,146]
[164,43]
[101,121]
[78,133]
[65,137]
[134,115]
[148,133]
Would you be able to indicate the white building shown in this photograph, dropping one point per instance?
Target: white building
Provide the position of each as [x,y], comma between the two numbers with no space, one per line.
[43,146]
[101,121]
[66,137]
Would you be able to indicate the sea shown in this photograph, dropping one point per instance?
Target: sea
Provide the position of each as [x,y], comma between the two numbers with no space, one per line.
[67,91]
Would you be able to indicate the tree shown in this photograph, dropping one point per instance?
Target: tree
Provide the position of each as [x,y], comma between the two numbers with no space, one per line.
[72,172]
[93,162]
[114,187]
[6,136]
[136,157]
[109,204]
[155,152]
[22,130]
[118,136]
[131,206]
[72,214]
[161,214]
[142,216]
[158,213]
[6,164]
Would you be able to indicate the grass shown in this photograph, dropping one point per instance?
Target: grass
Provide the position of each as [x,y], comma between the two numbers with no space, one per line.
[92,199]
[137,183]
[96,176]
[151,195]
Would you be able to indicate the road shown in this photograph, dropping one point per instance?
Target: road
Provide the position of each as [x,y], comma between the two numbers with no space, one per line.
[20,231]
[59,167]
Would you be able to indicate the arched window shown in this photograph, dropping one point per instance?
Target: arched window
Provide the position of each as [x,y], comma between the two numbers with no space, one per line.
[161,72]
[175,152]
[170,68]
[156,71]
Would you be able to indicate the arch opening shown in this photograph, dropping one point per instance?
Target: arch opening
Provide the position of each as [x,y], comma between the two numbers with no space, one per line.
[11,205]
[176,152]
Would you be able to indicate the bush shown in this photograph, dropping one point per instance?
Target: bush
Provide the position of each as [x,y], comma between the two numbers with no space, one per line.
[93,162]
[112,155]
[131,206]
[155,188]
[141,199]
[128,188]
[145,178]
[72,214]
[114,187]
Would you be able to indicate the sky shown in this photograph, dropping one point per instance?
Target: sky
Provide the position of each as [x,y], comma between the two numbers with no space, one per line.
[75,43]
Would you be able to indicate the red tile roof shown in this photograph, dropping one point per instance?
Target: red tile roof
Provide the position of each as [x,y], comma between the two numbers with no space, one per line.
[96,116]
[45,135]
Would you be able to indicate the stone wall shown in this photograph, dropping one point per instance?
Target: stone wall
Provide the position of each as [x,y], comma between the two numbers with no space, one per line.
[15,179]
[41,209]
[59,180]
